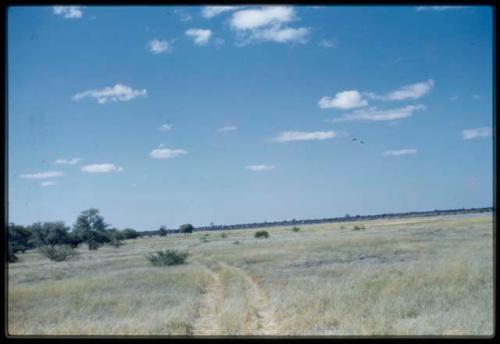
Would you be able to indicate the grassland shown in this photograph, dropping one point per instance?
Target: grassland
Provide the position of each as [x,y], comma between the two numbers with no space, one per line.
[420,276]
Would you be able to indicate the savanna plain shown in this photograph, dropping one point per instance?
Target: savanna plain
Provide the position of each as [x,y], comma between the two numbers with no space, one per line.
[414,276]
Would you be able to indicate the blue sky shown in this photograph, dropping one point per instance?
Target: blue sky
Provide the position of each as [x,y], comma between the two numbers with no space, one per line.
[170,115]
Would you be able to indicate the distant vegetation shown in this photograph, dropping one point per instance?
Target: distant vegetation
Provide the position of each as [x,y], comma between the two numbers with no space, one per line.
[167,257]
[58,253]
[186,228]
[358,227]
[296,229]
[262,234]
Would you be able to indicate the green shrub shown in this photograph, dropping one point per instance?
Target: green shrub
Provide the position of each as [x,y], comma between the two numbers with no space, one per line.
[223,235]
[203,239]
[296,229]
[186,228]
[12,258]
[167,257]
[261,234]
[58,253]
[358,228]
[236,242]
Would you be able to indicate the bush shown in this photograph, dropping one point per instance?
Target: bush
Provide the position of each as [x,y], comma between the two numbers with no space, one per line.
[167,257]
[236,242]
[262,234]
[186,228]
[223,235]
[163,231]
[12,258]
[203,239]
[358,228]
[296,229]
[130,233]
[58,253]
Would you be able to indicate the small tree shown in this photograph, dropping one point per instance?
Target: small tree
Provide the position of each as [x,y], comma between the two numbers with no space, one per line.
[58,253]
[130,233]
[186,228]
[163,231]
[91,228]
[20,238]
[50,233]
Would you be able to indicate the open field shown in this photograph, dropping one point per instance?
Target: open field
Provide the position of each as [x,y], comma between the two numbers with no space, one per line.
[420,276]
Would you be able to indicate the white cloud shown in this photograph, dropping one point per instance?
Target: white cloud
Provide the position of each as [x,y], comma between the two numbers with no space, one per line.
[157,47]
[101,168]
[200,36]
[343,100]
[256,18]
[267,23]
[413,91]
[166,153]
[373,114]
[327,44]
[227,128]
[47,183]
[469,134]
[73,161]
[260,168]
[166,127]
[398,152]
[212,11]
[304,136]
[42,175]
[280,35]
[69,12]
[438,8]
[118,92]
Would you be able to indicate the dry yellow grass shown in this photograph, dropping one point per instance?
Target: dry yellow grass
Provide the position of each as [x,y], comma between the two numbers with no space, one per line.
[420,276]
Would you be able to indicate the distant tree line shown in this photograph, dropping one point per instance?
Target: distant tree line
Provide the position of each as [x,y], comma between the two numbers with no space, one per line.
[89,229]
[345,218]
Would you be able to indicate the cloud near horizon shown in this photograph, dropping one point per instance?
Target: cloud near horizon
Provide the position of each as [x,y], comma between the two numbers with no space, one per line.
[288,136]
[373,114]
[166,127]
[47,183]
[166,153]
[398,152]
[118,92]
[73,161]
[260,168]
[469,134]
[101,168]
[227,128]
[42,175]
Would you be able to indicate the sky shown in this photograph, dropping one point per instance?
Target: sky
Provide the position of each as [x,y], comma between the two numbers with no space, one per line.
[199,114]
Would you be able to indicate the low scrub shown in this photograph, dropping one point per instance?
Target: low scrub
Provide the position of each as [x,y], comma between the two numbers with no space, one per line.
[296,229]
[262,234]
[358,228]
[167,257]
[58,253]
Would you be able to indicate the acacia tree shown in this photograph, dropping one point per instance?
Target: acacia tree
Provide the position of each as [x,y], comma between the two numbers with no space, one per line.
[163,231]
[186,228]
[50,233]
[91,228]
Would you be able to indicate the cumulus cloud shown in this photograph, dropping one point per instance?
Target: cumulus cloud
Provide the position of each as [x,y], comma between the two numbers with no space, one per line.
[469,134]
[42,175]
[373,114]
[343,100]
[73,161]
[68,12]
[227,128]
[413,91]
[398,152]
[438,8]
[212,11]
[304,136]
[157,47]
[118,92]
[200,36]
[260,168]
[267,23]
[101,168]
[47,183]
[166,127]
[166,153]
